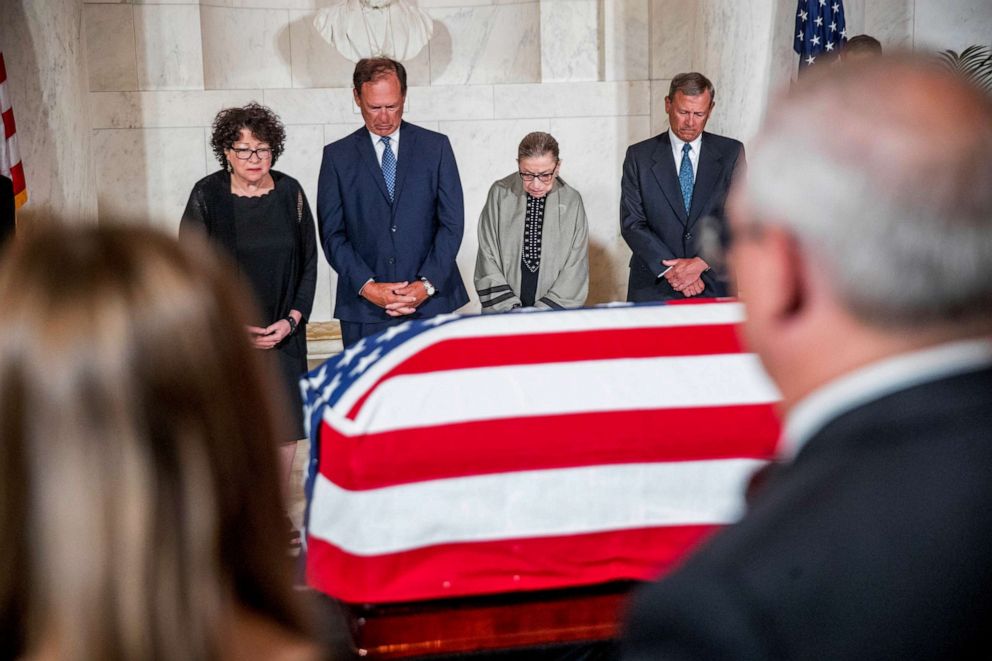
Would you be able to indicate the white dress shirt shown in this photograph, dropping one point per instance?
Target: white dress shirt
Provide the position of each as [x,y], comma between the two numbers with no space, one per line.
[677,143]
[875,381]
[394,144]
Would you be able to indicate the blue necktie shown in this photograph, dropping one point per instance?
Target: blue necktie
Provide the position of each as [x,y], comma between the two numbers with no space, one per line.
[685,176]
[388,166]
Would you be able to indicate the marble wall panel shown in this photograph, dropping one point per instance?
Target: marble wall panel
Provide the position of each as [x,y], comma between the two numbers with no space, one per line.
[245,48]
[570,40]
[449,102]
[45,57]
[606,99]
[168,48]
[659,119]
[110,53]
[592,159]
[146,175]
[626,40]
[316,63]
[733,48]
[118,110]
[939,25]
[313,106]
[891,22]
[673,28]
[486,44]
[485,151]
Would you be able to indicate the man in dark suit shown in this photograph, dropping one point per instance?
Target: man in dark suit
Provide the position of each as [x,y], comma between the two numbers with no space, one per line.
[390,211]
[672,184]
[862,249]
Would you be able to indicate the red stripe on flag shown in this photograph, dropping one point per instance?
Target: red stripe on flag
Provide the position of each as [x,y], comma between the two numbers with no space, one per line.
[514,565]
[564,347]
[9,128]
[17,176]
[3,69]
[495,446]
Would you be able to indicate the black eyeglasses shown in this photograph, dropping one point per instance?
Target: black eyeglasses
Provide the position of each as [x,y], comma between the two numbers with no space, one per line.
[716,239]
[263,153]
[543,177]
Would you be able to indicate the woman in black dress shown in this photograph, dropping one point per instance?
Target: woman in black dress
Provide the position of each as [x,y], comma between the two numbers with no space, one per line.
[261,218]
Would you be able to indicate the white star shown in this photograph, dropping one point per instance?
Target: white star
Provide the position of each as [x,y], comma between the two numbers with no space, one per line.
[833,26]
[823,3]
[316,381]
[799,36]
[810,60]
[815,40]
[803,14]
[843,33]
[819,21]
[440,319]
[835,7]
[332,386]
[351,352]
[365,361]
[393,331]
[830,46]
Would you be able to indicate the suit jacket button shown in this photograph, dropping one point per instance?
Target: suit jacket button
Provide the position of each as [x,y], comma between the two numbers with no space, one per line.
[393,228]
[391,260]
[687,236]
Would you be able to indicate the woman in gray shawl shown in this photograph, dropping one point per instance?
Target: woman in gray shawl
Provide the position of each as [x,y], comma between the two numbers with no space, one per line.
[533,236]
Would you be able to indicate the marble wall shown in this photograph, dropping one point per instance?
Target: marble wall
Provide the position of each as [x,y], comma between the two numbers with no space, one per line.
[44,50]
[592,72]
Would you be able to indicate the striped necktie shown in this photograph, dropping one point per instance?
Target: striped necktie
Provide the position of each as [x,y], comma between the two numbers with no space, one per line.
[388,166]
[685,176]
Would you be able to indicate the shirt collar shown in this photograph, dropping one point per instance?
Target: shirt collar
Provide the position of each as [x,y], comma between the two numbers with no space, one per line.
[875,381]
[394,137]
[677,143]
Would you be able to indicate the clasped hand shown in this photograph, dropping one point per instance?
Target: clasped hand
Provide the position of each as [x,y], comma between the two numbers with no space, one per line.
[396,298]
[270,336]
[684,275]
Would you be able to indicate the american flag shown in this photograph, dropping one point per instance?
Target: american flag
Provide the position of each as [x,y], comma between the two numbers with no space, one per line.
[10,160]
[820,30]
[524,451]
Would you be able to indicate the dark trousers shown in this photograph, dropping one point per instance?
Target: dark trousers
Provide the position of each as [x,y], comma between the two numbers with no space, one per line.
[353,331]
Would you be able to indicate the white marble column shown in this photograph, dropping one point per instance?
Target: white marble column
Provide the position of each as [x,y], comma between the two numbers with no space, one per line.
[570,40]
[46,67]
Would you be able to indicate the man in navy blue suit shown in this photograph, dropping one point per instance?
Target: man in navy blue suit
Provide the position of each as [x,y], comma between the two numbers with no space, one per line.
[861,239]
[390,212]
[672,185]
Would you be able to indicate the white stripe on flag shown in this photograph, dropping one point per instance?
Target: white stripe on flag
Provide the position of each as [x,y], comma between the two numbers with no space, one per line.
[529,504]
[589,319]
[488,393]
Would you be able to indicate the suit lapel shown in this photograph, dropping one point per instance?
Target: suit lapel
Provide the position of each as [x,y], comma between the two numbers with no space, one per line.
[363,143]
[403,164]
[706,178]
[668,179]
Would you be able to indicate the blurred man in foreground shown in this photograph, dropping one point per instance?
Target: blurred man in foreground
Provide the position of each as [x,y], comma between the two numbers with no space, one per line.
[864,255]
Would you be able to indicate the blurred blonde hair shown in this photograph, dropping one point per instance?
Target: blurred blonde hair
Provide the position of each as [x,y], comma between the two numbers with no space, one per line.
[139,500]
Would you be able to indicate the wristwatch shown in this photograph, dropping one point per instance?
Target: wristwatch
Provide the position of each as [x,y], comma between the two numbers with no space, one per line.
[428,286]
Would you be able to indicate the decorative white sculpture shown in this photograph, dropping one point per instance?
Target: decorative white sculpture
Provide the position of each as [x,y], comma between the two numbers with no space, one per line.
[375,28]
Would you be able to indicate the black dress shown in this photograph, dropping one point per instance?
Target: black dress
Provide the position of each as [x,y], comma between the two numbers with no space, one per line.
[272,240]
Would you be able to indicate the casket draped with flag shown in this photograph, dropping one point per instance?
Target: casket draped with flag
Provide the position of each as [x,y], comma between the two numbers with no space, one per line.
[526,451]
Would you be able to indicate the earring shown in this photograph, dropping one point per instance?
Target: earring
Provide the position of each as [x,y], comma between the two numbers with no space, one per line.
[230,168]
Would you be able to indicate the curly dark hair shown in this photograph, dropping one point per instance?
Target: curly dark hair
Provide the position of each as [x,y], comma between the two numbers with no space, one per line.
[260,120]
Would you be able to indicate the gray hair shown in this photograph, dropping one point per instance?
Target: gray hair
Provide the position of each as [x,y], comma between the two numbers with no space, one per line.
[883,171]
[691,84]
[537,144]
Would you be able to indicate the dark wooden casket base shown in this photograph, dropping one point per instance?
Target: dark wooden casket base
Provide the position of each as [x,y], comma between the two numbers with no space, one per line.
[534,621]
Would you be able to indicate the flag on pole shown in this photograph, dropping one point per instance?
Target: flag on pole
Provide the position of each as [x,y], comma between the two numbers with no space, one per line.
[500,453]
[820,30]
[10,159]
